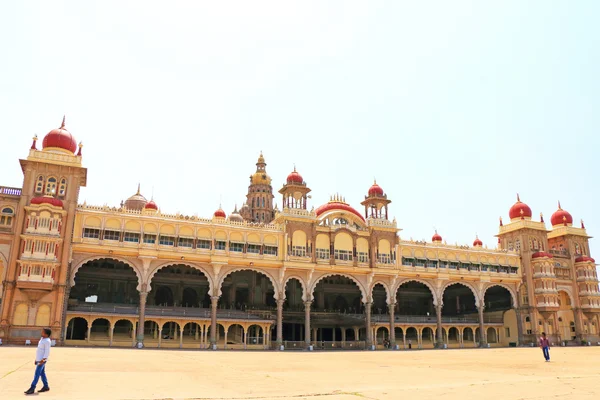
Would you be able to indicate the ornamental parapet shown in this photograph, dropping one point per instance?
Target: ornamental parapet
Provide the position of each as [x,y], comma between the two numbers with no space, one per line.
[558,231]
[297,212]
[382,223]
[483,249]
[10,191]
[522,224]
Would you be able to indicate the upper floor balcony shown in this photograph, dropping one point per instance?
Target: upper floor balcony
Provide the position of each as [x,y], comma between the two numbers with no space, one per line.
[10,191]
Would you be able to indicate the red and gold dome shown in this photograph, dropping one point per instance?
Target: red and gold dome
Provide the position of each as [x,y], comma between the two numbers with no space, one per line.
[337,203]
[436,238]
[375,190]
[47,200]
[519,210]
[220,213]
[294,177]
[151,205]
[561,217]
[477,242]
[60,138]
[584,259]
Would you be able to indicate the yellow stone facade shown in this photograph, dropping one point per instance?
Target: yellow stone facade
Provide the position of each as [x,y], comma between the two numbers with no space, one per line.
[323,278]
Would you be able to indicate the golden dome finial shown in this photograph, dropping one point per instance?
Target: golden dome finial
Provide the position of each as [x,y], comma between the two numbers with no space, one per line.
[559,207]
[62,125]
[518,198]
[138,191]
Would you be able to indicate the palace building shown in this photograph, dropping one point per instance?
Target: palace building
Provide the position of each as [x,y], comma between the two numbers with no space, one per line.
[328,276]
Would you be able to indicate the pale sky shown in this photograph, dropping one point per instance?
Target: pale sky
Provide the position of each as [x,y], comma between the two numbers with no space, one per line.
[454,106]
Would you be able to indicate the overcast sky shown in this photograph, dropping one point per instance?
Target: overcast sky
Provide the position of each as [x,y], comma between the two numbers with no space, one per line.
[454,106]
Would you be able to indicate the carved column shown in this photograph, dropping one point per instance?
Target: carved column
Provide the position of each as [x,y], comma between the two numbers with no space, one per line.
[482,341]
[213,321]
[368,323]
[280,322]
[439,334]
[307,323]
[391,312]
[141,318]
[520,338]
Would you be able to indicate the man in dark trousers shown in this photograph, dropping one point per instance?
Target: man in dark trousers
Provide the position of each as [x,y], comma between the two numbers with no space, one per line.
[545,345]
[41,358]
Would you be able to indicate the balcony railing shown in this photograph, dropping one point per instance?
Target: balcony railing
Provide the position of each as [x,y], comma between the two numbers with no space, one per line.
[10,191]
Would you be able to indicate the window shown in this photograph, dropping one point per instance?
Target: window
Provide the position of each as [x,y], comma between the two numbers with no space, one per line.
[6,216]
[343,255]
[131,237]
[236,247]
[203,244]
[185,242]
[39,185]
[507,332]
[220,245]
[299,251]
[322,254]
[407,261]
[166,240]
[62,189]
[51,186]
[149,239]
[91,233]
[270,250]
[254,248]
[363,257]
[112,235]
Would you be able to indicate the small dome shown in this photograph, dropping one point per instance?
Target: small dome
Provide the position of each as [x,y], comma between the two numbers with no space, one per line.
[519,210]
[151,205]
[375,190]
[295,177]
[136,202]
[561,217]
[60,138]
[47,200]
[477,242]
[541,254]
[584,259]
[220,213]
[436,238]
[235,216]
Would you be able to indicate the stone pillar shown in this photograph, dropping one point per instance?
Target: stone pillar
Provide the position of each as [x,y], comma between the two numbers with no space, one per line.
[343,335]
[159,337]
[213,322]
[280,322]
[482,341]
[440,333]
[307,323]
[579,332]
[520,338]
[368,323]
[391,309]
[142,317]
[181,338]
[89,332]
[226,331]
[111,330]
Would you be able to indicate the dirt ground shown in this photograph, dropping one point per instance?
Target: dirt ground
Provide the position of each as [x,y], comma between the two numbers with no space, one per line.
[88,373]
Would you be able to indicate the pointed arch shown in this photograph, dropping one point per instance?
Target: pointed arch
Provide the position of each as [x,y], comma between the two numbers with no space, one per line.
[302,283]
[363,292]
[513,295]
[424,282]
[386,287]
[478,300]
[200,268]
[221,280]
[130,263]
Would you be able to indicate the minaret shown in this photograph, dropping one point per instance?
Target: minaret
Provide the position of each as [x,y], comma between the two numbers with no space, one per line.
[376,203]
[259,199]
[294,192]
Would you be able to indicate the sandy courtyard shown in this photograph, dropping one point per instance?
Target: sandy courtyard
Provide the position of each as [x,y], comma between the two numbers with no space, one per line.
[83,373]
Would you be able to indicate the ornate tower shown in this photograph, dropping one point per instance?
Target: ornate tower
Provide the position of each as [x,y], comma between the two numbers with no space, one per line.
[259,199]
[38,270]
[376,203]
[294,192]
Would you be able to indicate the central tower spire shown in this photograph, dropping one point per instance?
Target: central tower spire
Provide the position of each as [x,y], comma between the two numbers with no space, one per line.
[259,200]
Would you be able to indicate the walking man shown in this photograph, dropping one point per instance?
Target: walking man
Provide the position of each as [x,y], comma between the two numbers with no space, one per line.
[41,358]
[545,345]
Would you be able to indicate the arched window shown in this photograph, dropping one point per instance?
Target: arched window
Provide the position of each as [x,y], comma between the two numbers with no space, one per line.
[6,216]
[62,188]
[51,185]
[39,185]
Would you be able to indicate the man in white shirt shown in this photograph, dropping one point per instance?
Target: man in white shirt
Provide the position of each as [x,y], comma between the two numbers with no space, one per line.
[41,358]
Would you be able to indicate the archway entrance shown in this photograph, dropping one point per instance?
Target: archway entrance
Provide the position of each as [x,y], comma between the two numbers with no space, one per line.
[566,317]
[499,309]
[337,306]
[293,314]
[247,290]
[106,281]
[414,299]
[179,285]
[77,329]
[459,301]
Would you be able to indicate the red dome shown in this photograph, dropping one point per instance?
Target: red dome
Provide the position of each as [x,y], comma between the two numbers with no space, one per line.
[47,200]
[561,217]
[519,210]
[375,190]
[60,138]
[219,213]
[295,177]
[338,205]
[151,205]
[436,237]
[584,259]
[541,254]
[477,242]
